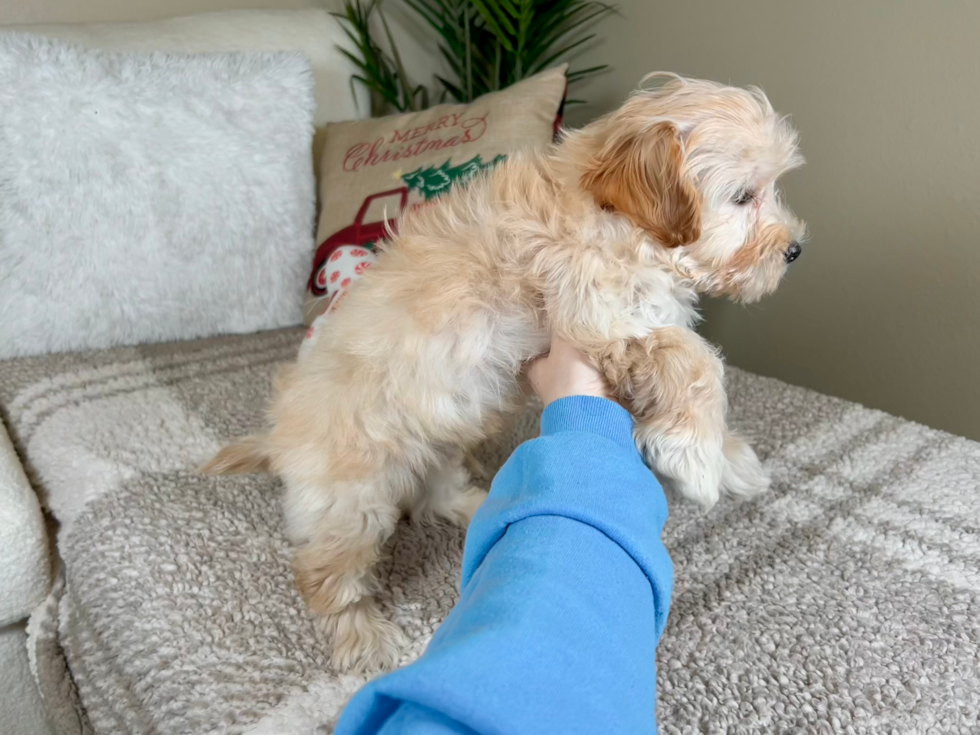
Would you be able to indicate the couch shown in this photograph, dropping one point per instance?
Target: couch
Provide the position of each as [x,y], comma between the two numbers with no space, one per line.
[846,600]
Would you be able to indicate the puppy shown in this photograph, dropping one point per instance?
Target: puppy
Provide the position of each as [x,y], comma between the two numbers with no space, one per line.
[606,239]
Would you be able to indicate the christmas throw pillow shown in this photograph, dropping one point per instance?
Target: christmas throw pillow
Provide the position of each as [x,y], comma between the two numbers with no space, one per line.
[373,170]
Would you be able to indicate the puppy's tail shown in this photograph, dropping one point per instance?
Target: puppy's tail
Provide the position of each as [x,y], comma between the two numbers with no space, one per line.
[243,456]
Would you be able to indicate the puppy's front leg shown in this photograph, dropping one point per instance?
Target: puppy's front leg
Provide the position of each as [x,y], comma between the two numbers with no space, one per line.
[672,383]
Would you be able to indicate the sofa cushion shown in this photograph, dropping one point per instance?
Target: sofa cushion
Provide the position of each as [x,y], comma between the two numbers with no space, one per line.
[25,573]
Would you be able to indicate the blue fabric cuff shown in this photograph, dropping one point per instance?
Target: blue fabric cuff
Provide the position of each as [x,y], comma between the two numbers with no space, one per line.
[591,415]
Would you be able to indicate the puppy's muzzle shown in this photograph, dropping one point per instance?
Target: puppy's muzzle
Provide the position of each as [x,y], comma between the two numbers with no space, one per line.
[792,252]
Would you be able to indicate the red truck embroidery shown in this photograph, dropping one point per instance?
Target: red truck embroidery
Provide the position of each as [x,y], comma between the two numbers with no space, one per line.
[358,233]
[430,181]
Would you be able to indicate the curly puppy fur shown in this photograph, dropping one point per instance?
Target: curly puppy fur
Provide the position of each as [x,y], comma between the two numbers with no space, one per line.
[608,239]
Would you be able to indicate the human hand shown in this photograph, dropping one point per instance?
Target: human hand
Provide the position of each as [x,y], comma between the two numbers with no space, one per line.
[565,372]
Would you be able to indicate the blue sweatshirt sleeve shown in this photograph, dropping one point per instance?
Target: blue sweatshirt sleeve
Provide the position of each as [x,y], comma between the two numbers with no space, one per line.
[565,591]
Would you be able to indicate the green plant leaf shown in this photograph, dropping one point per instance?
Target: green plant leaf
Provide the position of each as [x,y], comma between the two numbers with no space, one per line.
[451,88]
[579,74]
[453,61]
[408,97]
[492,20]
[562,52]
[385,77]
[424,9]
[582,16]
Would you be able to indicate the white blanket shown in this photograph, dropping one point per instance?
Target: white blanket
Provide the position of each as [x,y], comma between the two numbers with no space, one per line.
[846,600]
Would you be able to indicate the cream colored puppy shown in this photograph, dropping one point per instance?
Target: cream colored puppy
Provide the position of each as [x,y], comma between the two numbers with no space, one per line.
[606,240]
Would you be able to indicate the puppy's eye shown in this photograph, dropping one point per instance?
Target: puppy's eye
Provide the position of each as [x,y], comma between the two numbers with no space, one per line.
[744,196]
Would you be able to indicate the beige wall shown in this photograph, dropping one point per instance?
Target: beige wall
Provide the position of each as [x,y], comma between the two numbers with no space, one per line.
[883,307]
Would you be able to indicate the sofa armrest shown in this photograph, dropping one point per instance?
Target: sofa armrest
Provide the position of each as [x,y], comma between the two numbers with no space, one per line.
[20,701]
[25,574]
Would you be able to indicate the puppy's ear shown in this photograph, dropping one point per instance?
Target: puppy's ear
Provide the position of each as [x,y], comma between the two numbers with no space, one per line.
[642,176]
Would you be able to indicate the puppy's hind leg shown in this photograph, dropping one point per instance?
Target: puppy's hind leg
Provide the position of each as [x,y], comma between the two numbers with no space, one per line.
[339,542]
[448,492]
[743,476]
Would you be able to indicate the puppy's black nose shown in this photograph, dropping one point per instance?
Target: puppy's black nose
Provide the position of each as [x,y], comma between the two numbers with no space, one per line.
[792,252]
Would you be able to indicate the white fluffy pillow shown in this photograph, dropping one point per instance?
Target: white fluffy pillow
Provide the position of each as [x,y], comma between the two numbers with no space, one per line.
[150,197]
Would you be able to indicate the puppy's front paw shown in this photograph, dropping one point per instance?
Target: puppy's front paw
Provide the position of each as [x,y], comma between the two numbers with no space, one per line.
[693,468]
[743,476]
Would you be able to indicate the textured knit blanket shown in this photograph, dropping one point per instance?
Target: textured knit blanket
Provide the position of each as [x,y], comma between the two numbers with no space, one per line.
[846,600]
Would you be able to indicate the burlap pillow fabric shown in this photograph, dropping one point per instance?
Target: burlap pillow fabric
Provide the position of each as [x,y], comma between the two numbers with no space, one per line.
[372,170]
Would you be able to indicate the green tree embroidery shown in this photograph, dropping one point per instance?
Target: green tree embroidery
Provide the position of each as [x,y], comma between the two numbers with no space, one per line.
[433,181]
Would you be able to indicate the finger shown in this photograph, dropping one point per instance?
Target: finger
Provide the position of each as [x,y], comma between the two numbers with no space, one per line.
[565,352]
[559,344]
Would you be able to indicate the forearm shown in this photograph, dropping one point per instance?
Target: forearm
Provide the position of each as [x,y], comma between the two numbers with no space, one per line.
[565,591]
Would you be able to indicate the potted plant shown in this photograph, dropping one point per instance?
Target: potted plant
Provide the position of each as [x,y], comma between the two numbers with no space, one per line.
[487,44]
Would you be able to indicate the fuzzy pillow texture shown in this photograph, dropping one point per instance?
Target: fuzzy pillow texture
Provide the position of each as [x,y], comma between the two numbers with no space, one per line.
[150,196]
[311,31]
[373,170]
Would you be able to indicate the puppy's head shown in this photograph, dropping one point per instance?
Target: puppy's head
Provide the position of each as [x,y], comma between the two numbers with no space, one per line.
[695,164]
